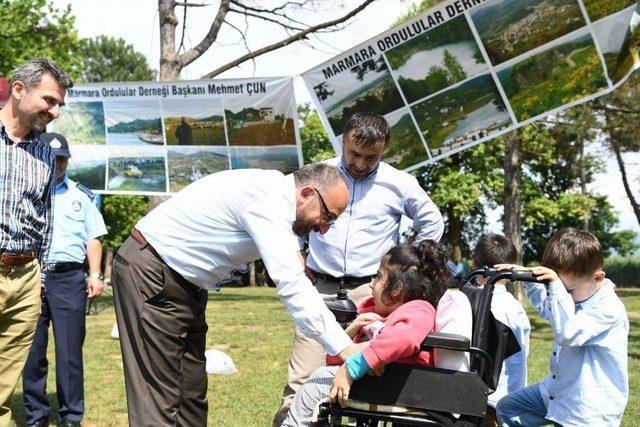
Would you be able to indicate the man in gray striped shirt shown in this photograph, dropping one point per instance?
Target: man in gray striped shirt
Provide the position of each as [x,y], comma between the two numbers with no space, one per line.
[27,181]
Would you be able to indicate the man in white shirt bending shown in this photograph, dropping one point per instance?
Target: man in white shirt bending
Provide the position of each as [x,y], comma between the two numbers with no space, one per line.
[194,242]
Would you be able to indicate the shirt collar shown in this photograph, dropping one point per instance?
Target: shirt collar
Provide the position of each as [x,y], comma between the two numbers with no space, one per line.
[604,292]
[32,136]
[289,193]
[345,169]
[64,183]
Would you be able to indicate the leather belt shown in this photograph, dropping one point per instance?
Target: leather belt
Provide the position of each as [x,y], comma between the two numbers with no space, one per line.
[138,237]
[17,259]
[345,280]
[61,267]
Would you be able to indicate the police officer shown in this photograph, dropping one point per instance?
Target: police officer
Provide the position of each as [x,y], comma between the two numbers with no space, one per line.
[77,225]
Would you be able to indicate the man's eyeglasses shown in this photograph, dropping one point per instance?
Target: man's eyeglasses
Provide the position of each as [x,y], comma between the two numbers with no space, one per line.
[329,218]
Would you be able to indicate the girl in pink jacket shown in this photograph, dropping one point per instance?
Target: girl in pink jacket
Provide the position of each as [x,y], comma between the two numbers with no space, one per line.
[390,326]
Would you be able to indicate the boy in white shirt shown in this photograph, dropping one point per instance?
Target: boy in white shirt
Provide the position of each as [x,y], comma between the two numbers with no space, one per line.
[495,249]
[588,383]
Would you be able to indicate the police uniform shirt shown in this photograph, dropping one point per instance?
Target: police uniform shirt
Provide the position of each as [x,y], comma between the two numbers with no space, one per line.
[76,220]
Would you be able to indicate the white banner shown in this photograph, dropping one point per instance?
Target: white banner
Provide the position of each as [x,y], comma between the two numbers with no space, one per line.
[470,70]
[157,137]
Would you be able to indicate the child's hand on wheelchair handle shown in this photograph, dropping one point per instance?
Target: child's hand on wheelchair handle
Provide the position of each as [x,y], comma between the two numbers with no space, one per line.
[341,386]
[542,274]
[545,274]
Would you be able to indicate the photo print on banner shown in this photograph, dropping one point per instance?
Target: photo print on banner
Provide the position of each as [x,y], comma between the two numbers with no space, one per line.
[156,138]
[468,71]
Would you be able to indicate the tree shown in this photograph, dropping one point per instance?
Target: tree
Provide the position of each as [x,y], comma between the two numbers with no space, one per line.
[113,59]
[456,72]
[552,173]
[281,16]
[314,138]
[465,187]
[34,28]
[121,213]
[621,114]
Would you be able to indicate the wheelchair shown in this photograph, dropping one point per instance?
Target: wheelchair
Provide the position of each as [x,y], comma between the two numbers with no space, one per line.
[433,395]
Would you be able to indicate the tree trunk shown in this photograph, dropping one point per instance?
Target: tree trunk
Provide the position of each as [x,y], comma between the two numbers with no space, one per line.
[454,236]
[623,172]
[252,274]
[170,66]
[512,207]
[583,178]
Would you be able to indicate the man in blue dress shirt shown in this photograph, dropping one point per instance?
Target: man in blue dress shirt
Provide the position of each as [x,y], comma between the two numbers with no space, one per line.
[77,225]
[349,253]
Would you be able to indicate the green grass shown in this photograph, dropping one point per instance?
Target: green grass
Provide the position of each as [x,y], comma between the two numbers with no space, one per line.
[251,325]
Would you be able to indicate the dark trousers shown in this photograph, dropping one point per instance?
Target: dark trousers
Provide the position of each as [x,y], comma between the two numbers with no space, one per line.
[63,304]
[162,326]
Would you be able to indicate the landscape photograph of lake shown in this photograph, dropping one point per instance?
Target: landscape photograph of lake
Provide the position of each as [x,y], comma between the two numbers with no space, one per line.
[134,168]
[81,123]
[405,147]
[463,114]
[597,9]
[365,87]
[613,33]
[88,165]
[436,59]
[133,123]
[282,158]
[509,28]
[194,122]
[567,71]
[261,122]
[188,164]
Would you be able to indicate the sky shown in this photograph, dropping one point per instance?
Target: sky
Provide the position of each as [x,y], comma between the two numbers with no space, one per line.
[137,22]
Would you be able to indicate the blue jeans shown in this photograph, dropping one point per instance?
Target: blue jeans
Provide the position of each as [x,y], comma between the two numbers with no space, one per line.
[523,408]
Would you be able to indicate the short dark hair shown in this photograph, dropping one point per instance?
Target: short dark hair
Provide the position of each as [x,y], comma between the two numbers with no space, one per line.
[369,128]
[573,251]
[419,272]
[319,175]
[31,72]
[494,249]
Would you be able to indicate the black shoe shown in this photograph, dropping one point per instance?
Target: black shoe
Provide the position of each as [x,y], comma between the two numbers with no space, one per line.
[69,423]
[42,422]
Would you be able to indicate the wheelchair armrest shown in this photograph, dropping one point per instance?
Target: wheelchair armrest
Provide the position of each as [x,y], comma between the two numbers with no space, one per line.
[446,341]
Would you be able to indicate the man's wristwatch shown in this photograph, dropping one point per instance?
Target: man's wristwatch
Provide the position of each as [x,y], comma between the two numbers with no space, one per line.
[98,276]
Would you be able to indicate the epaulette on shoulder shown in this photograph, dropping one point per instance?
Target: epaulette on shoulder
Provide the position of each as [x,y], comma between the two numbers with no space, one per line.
[85,190]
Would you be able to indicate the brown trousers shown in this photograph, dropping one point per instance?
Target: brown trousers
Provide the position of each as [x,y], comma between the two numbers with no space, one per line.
[161,320]
[306,354]
[19,304]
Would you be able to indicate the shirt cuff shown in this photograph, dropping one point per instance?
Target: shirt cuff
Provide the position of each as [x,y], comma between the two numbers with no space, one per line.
[334,339]
[357,366]
[556,288]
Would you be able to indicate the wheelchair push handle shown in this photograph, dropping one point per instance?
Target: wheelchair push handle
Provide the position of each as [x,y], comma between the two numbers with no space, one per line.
[517,275]
[484,272]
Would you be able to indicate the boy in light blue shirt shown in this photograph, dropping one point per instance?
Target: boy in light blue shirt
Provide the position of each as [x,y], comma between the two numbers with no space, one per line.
[490,250]
[588,380]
